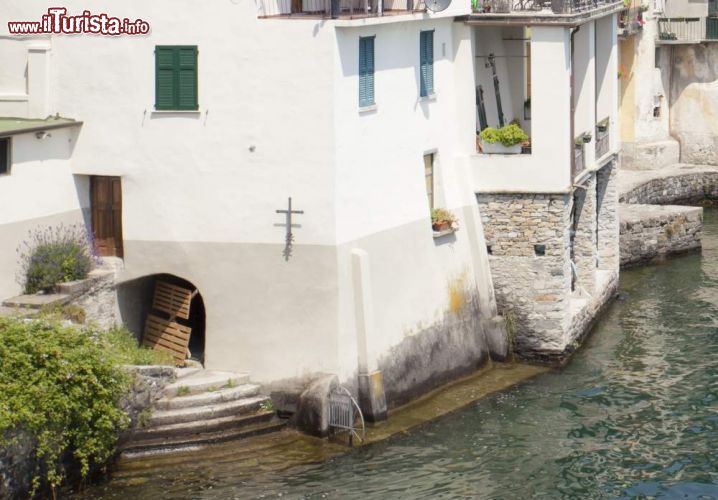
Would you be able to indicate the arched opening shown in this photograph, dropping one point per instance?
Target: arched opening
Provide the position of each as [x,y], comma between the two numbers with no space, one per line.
[138,300]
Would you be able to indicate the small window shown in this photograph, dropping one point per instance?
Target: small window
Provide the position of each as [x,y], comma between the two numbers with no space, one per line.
[5,156]
[489,250]
[656,111]
[366,71]
[176,77]
[429,177]
[426,63]
[540,250]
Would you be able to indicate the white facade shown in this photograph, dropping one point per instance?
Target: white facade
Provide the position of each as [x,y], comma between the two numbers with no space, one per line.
[368,284]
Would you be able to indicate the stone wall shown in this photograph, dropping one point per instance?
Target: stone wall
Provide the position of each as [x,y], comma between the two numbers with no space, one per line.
[691,187]
[654,231]
[607,209]
[528,240]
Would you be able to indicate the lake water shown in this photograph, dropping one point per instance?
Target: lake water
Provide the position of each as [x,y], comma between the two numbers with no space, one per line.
[635,414]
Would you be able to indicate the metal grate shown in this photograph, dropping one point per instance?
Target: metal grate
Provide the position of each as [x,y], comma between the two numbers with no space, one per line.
[344,413]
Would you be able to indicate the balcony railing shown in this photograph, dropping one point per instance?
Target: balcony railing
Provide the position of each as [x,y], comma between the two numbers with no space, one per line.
[602,138]
[630,21]
[682,29]
[578,158]
[337,9]
[539,6]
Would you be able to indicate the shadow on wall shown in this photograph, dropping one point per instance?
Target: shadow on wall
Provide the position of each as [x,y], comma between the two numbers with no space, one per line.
[135,303]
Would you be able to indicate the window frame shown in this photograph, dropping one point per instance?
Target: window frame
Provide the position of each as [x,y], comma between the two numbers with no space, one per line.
[176,68]
[431,195]
[8,156]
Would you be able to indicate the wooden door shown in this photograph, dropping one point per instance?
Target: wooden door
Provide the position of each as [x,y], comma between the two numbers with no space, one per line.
[106,207]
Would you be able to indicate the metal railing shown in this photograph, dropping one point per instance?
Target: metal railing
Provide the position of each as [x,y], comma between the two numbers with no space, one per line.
[578,159]
[333,9]
[603,145]
[684,29]
[539,6]
[630,21]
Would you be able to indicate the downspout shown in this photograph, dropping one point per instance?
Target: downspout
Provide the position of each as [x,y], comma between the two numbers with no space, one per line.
[573,107]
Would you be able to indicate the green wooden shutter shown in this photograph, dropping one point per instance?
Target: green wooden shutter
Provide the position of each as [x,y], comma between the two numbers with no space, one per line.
[187,78]
[176,77]
[426,63]
[366,71]
[164,78]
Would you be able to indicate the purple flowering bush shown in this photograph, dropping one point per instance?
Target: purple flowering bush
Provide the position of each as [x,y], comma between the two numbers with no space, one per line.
[53,255]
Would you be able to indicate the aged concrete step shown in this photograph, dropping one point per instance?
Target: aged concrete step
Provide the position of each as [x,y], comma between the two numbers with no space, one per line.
[242,406]
[205,380]
[37,301]
[206,398]
[210,425]
[154,445]
[181,373]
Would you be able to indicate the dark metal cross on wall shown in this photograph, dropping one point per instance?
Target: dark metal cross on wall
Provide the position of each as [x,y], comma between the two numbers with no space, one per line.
[289,239]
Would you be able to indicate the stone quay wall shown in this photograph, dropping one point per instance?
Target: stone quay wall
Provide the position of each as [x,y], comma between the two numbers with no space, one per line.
[689,187]
[651,227]
[650,232]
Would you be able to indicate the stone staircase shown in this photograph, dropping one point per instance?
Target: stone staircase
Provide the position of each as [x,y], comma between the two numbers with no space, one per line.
[203,407]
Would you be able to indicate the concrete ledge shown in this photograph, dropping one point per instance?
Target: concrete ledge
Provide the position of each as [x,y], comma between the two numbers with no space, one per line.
[680,183]
[650,232]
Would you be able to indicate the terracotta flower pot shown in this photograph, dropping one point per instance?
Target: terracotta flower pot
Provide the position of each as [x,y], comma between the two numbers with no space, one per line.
[441,226]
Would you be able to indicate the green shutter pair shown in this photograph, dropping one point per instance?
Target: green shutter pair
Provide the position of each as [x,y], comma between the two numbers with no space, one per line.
[176,77]
[426,63]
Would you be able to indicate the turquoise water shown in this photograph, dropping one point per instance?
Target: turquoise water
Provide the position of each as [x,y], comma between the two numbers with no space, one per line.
[635,414]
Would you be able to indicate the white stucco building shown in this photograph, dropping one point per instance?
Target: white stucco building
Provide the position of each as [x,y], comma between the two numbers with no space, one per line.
[192,136]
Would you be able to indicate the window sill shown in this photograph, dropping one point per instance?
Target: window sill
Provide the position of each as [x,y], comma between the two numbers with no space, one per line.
[445,232]
[176,111]
[14,97]
[367,109]
[428,98]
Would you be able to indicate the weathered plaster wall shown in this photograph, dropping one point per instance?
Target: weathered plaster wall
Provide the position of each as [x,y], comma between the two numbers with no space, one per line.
[653,231]
[694,101]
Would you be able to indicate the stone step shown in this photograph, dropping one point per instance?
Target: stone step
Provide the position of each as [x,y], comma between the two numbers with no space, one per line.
[207,398]
[203,426]
[205,380]
[150,446]
[242,406]
[181,373]
[38,301]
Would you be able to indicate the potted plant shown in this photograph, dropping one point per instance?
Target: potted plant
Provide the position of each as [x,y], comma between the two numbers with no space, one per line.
[505,140]
[587,137]
[602,126]
[443,220]
[578,142]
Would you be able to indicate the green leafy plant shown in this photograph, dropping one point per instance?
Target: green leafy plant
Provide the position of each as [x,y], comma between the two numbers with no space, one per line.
[266,405]
[509,135]
[62,386]
[443,216]
[53,255]
[125,349]
[182,390]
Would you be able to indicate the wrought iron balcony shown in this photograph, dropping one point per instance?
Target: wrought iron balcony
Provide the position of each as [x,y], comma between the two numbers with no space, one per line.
[630,21]
[687,29]
[336,9]
[602,138]
[540,7]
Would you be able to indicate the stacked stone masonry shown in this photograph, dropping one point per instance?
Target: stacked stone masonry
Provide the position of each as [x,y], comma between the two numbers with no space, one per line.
[532,240]
[654,231]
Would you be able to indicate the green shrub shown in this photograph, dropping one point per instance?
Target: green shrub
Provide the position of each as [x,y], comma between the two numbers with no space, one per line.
[53,255]
[124,349]
[509,135]
[62,386]
[490,135]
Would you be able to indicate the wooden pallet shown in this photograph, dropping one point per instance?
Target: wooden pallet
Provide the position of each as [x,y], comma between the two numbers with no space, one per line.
[166,334]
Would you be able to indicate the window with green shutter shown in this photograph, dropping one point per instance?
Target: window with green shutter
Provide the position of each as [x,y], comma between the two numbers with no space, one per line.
[176,77]
[426,63]
[366,71]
